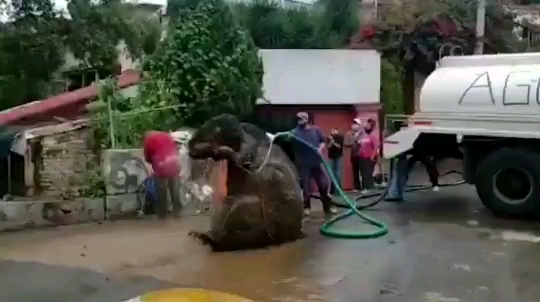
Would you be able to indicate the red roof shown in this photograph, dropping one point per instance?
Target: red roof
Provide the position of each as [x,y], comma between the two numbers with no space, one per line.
[73,101]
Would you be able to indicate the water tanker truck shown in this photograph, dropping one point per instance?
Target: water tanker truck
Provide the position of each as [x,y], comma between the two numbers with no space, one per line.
[487,107]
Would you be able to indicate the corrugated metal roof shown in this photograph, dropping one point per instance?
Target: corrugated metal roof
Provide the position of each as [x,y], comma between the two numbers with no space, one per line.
[320,77]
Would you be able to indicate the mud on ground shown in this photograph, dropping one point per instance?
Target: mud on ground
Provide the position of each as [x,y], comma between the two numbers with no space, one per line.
[442,247]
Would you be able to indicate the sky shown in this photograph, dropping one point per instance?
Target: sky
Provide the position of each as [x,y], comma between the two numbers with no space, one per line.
[61,4]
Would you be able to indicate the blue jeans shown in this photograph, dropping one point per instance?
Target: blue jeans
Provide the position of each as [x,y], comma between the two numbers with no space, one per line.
[336,167]
[399,175]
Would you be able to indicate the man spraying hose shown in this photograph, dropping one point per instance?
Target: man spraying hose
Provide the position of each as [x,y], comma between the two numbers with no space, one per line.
[309,163]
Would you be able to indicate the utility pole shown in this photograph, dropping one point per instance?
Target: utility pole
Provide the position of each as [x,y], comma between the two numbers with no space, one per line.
[480,27]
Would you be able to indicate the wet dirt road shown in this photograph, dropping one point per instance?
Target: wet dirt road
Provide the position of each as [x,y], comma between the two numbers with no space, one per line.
[442,247]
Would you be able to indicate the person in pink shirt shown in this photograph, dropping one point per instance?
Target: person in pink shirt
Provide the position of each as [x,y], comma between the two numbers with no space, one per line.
[160,151]
[368,153]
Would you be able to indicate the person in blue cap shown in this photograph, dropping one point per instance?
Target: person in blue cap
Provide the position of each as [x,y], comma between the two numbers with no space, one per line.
[308,162]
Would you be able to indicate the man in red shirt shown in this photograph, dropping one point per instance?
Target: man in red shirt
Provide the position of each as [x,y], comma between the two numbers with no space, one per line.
[161,152]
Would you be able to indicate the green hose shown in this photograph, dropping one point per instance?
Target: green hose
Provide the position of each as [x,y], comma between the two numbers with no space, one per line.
[326,228]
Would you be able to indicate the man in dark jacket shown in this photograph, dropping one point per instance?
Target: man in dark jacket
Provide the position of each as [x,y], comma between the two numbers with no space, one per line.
[335,156]
[309,162]
[352,139]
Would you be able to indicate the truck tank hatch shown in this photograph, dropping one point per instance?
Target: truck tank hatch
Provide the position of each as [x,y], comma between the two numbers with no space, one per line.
[400,142]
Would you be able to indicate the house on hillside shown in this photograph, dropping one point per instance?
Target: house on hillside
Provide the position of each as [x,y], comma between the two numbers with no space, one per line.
[47,146]
[527,20]
[71,76]
[284,3]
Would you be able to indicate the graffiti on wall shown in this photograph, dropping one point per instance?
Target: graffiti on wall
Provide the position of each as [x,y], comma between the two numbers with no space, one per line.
[124,170]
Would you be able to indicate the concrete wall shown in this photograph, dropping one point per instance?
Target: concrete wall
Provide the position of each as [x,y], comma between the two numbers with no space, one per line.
[124,171]
[28,214]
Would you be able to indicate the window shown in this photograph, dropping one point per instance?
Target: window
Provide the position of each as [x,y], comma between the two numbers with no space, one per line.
[534,38]
[78,79]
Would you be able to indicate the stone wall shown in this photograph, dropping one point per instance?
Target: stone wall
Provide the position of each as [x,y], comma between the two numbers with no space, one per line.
[63,161]
[60,162]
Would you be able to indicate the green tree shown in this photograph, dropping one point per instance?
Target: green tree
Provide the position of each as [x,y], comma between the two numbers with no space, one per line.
[413,36]
[208,64]
[35,38]
[341,18]
[425,30]
[391,89]
[29,50]
[327,24]
[96,28]
[275,27]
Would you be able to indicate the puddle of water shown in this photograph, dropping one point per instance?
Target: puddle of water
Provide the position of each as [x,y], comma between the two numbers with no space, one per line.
[437,297]
[519,236]
[509,236]
[462,266]
[473,222]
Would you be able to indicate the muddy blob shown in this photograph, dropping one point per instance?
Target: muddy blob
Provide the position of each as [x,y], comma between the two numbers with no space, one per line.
[263,205]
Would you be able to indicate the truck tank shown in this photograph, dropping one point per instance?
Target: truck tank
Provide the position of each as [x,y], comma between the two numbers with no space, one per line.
[486,108]
[506,84]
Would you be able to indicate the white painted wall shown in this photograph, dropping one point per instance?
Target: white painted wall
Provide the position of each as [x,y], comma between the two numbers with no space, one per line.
[320,77]
[316,77]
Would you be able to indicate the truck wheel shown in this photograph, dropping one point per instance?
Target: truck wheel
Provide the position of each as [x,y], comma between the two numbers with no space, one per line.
[508,183]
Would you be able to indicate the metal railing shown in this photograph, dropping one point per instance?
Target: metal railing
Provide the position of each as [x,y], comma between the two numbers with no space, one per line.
[393,122]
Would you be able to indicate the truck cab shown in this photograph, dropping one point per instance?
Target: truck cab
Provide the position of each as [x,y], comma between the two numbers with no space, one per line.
[488,108]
